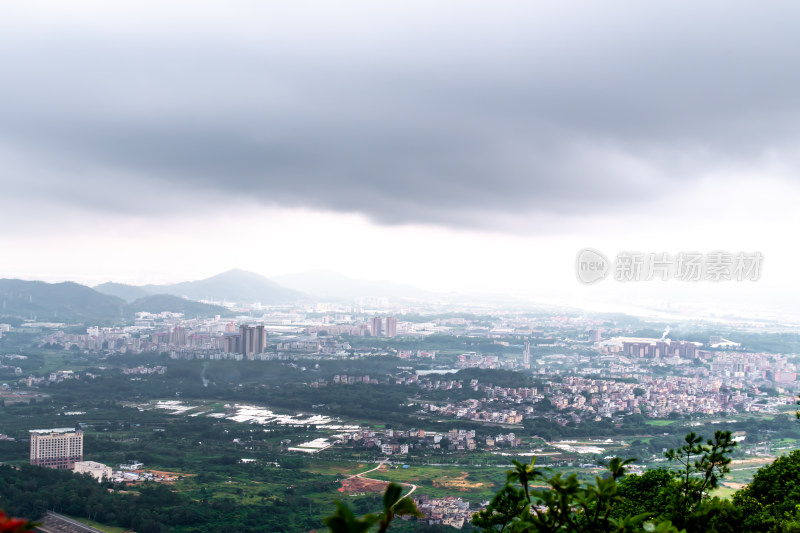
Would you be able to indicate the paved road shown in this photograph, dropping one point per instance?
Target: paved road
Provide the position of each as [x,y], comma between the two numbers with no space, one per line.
[368,471]
[56,523]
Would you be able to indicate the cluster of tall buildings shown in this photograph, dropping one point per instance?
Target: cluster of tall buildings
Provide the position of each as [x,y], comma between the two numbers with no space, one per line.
[250,340]
[657,348]
[650,348]
[377,328]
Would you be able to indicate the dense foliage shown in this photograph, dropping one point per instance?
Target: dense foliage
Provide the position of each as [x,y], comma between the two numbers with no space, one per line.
[771,502]
[660,501]
[29,491]
[564,504]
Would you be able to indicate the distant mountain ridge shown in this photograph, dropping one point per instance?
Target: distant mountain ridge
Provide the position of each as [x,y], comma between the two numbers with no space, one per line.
[242,287]
[72,302]
[129,293]
[57,301]
[157,303]
[113,302]
[235,286]
[238,286]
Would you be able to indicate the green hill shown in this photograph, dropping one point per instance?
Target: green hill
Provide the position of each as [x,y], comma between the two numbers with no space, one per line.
[236,286]
[58,302]
[72,302]
[129,293]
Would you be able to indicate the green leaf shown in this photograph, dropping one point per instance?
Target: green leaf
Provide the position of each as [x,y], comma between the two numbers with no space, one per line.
[344,521]
[407,507]
[390,496]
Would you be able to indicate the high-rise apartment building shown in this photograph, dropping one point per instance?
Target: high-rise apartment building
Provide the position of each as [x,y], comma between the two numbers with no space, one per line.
[391,326]
[231,342]
[376,329]
[56,448]
[177,336]
[253,340]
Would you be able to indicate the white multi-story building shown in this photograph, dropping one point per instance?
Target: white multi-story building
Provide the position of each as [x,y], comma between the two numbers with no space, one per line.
[98,471]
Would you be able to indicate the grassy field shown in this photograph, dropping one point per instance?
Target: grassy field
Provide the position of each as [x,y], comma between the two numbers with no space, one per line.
[724,492]
[339,467]
[474,484]
[53,361]
[660,423]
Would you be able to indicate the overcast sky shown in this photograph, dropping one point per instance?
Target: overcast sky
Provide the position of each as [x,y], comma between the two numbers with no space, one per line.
[452,145]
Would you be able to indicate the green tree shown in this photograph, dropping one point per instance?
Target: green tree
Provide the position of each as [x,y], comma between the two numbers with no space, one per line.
[701,466]
[771,502]
[508,503]
[797,413]
[566,505]
[644,494]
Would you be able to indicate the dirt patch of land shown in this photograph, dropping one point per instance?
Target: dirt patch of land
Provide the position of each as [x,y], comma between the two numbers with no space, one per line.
[358,484]
[458,483]
[733,485]
[754,461]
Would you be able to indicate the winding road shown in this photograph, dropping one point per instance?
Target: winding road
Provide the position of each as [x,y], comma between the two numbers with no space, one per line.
[361,475]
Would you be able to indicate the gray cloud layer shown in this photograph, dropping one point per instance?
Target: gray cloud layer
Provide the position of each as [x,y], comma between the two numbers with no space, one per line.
[405,113]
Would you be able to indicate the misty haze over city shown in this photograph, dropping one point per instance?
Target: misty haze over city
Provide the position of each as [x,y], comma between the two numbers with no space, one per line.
[291,266]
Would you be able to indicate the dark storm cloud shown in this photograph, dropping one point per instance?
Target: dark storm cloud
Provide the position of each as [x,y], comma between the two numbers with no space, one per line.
[451,116]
